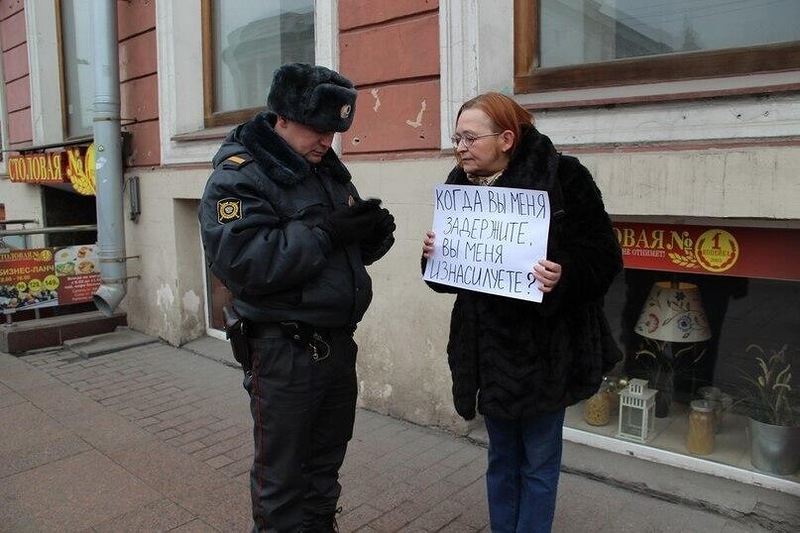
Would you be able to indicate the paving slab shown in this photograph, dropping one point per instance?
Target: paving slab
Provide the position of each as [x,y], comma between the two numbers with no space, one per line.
[171,427]
[40,451]
[70,494]
[160,515]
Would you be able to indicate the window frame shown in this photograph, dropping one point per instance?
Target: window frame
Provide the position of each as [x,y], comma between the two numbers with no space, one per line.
[62,78]
[529,78]
[212,119]
[185,138]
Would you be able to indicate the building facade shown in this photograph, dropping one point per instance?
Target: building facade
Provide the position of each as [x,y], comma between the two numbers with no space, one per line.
[688,118]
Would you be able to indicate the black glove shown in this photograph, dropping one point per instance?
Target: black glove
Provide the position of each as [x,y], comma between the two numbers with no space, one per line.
[370,204]
[385,225]
[352,224]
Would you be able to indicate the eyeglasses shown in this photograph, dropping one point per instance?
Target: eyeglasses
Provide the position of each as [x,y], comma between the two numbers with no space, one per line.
[469,139]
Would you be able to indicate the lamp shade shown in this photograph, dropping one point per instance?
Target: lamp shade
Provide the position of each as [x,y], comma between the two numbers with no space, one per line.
[673,312]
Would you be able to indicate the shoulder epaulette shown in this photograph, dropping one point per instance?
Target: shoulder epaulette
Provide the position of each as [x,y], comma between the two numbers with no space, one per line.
[235,162]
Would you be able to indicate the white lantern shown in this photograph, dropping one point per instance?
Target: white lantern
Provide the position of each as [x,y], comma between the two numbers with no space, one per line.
[636,411]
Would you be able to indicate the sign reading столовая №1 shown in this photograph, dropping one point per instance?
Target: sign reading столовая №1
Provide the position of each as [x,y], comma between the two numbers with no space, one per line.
[488,239]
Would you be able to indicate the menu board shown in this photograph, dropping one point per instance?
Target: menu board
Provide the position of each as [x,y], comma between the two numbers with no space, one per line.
[46,277]
[78,273]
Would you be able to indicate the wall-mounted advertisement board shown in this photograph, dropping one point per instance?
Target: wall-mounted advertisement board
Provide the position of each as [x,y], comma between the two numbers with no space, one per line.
[46,277]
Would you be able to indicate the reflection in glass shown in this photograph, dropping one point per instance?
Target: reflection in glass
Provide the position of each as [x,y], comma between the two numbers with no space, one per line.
[252,39]
[575,32]
[78,58]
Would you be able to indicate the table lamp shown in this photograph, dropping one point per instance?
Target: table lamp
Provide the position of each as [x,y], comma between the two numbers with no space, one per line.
[672,313]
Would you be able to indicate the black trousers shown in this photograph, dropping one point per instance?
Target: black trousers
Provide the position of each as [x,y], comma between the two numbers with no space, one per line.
[303,415]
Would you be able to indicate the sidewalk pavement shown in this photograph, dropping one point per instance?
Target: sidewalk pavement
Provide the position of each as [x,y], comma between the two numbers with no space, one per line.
[122,432]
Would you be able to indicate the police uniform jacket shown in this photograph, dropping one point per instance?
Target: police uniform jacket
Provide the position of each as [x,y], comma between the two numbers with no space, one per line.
[517,357]
[259,218]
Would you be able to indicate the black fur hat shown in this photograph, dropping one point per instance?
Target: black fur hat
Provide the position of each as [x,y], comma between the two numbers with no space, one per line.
[312,95]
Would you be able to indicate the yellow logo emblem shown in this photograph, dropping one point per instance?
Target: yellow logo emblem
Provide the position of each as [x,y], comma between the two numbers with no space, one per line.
[229,209]
[81,172]
[716,250]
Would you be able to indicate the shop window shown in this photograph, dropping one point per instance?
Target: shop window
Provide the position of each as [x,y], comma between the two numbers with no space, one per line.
[78,66]
[566,44]
[243,43]
[63,207]
[702,314]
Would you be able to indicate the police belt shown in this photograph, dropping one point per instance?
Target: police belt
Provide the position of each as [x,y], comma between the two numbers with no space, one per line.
[298,331]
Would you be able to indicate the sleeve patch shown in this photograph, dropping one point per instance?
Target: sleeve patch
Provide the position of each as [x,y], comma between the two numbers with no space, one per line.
[229,209]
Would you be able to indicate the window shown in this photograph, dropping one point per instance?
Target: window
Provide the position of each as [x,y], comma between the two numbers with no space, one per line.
[691,315]
[565,44]
[244,42]
[77,65]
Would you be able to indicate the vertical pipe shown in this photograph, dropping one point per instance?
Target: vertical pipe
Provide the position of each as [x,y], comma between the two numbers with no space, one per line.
[108,157]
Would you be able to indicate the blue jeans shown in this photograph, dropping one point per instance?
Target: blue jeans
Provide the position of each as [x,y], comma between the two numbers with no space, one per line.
[522,476]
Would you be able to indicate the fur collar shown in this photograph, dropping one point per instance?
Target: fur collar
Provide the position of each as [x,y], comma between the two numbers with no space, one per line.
[276,158]
[534,165]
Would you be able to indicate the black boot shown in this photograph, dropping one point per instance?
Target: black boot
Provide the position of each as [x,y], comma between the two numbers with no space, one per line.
[323,523]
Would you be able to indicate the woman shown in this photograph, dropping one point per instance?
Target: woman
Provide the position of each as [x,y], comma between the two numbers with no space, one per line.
[527,361]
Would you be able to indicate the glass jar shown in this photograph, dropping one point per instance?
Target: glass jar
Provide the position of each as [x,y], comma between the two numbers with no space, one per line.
[597,410]
[726,401]
[700,437]
[612,386]
[714,398]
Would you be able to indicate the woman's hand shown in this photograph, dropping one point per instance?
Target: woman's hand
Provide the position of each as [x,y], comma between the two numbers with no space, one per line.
[548,273]
[427,244]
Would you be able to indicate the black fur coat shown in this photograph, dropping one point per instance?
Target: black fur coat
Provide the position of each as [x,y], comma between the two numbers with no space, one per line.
[521,357]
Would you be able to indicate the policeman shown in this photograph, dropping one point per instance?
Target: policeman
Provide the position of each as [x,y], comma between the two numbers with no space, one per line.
[285,229]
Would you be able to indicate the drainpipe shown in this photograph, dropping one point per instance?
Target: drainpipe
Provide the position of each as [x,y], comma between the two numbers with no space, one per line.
[108,158]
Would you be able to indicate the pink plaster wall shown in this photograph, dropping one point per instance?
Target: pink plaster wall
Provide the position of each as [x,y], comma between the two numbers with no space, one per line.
[12,30]
[405,49]
[8,7]
[140,99]
[396,117]
[137,56]
[15,62]
[138,72]
[391,52]
[14,51]
[140,103]
[146,146]
[358,13]
[135,16]
[18,94]
[20,127]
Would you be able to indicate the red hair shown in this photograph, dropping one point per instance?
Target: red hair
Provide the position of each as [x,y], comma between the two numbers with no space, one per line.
[505,113]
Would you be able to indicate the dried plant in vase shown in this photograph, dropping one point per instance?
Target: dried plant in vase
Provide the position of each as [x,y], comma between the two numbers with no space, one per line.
[774,425]
[770,398]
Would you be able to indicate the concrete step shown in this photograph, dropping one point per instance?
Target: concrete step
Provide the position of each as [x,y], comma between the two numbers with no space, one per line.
[20,337]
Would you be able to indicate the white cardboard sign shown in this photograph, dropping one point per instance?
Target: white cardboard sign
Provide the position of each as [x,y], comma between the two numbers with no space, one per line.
[488,239]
